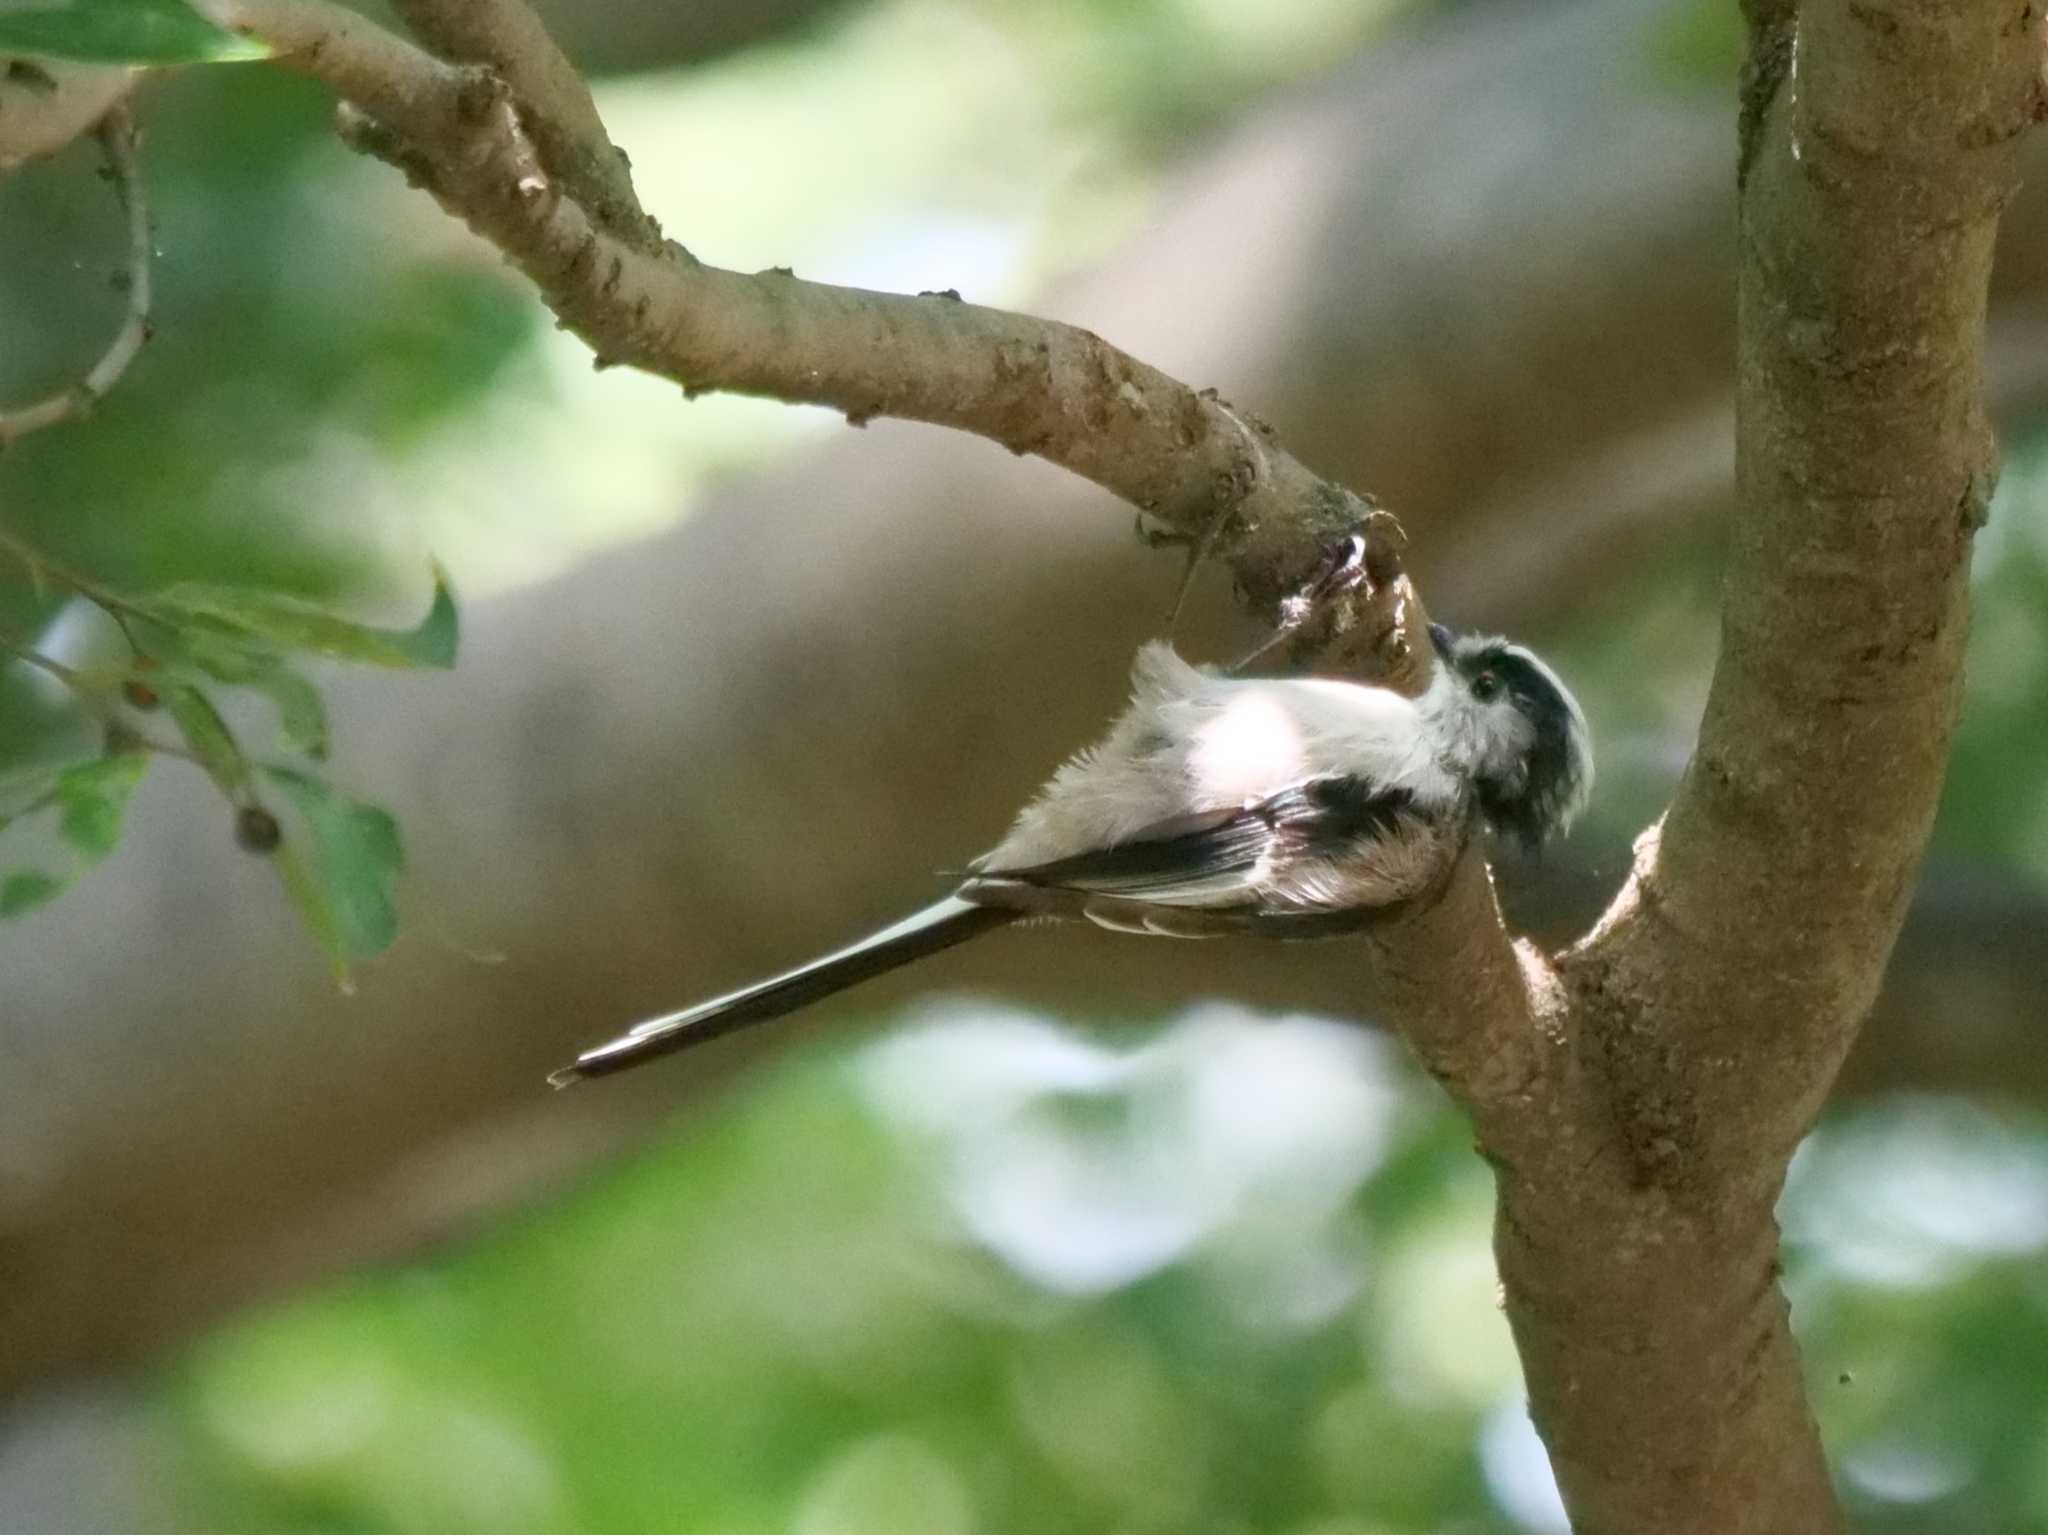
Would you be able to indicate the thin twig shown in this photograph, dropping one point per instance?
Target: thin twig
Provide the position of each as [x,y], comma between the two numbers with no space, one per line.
[28,655]
[117,138]
[94,698]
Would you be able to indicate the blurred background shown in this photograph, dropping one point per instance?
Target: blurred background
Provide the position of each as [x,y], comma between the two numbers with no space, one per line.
[1064,1230]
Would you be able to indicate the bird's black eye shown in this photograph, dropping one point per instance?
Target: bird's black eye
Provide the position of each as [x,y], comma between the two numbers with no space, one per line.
[1486,687]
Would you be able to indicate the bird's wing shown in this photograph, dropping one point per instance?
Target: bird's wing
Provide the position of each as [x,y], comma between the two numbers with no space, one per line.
[1230,857]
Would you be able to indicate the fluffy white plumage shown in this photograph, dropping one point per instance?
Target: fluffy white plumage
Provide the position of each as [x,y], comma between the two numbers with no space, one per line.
[1194,741]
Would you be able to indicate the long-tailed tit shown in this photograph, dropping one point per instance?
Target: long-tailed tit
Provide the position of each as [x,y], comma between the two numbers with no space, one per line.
[1290,807]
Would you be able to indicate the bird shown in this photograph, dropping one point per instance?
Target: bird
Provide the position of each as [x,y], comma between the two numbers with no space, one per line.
[1288,807]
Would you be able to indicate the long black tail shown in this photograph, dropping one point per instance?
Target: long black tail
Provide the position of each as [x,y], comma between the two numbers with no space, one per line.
[938,926]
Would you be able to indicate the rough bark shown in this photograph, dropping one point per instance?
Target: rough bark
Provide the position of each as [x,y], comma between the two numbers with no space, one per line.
[567,132]
[1712,1007]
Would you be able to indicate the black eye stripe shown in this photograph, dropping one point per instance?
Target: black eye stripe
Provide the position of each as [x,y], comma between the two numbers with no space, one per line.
[1529,797]
[1512,671]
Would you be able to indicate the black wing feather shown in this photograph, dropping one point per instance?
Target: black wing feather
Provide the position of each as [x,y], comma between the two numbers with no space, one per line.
[1176,862]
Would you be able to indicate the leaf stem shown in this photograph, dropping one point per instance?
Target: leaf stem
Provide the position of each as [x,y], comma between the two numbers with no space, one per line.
[94,699]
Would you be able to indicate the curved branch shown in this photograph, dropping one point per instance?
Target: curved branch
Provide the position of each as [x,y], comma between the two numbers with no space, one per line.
[508,36]
[1964,1007]
[117,137]
[1180,455]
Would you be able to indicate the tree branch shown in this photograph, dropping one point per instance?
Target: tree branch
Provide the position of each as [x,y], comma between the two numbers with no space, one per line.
[1713,1005]
[47,103]
[556,104]
[1181,456]
[1864,466]
[117,138]
[1772,25]
[1964,1000]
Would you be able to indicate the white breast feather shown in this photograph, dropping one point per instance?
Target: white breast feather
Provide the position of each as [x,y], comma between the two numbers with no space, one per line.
[1195,741]
[1249,746]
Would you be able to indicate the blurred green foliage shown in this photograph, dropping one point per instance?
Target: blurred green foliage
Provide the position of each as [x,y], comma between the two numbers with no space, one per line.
[1700,46]
[273,347]
[118,31]
[777,1322]
[1152,71]
[818,1313]
[178,649]
[1996,803]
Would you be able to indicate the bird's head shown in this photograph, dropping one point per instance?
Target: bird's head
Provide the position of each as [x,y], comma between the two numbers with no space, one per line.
[1522,734]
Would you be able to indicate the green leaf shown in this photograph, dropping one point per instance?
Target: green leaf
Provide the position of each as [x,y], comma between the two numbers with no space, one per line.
[218,658]
[310,898]
[345,885]
[269,624]
[26,890]
[208,736]
[94,796]
[301,713]
[119,32]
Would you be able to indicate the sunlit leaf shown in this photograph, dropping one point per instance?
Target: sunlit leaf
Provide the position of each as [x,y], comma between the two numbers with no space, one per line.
[94,796]
[119,32]
[347,888]
[271,624]
[25,890]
